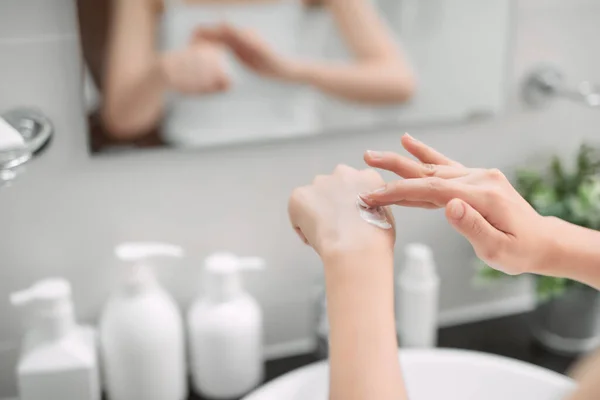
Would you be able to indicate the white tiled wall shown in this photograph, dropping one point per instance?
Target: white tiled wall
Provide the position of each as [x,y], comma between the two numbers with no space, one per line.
[64,216]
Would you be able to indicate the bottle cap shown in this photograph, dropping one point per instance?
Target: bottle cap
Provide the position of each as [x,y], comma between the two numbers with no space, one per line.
[222,278]
[139,253]
[419,263]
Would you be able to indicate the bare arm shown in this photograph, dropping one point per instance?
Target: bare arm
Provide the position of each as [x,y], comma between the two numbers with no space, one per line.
[379,74]
[571,252]
[363,348]
[358,263]
[505,231]
[133,84]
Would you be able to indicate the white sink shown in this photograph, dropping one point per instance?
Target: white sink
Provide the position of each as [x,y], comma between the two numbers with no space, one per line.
[438,374]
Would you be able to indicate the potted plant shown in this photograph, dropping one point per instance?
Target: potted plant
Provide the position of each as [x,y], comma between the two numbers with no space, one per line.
[567,316]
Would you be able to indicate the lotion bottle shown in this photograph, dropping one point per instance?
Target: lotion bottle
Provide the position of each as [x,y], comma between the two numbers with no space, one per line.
[417,298]
[225,331]
[59,358]
[141,332]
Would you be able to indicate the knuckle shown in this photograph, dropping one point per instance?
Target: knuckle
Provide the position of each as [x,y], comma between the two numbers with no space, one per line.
[495,174]
[319,179]
[492,195]
[296,195]
[371,173]
[341,169]
[428,170]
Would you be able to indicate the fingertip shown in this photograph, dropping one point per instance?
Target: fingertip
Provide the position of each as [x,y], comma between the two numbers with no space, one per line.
[373,199]
[370,158]
[455,210]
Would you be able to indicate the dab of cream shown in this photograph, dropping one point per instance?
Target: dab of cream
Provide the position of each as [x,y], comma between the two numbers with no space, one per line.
[373,215]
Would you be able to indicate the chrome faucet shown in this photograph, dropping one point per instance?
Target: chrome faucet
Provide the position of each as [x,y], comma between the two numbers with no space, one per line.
[36,130]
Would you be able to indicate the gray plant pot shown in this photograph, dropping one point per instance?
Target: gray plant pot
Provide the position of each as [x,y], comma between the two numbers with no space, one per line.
[570,323]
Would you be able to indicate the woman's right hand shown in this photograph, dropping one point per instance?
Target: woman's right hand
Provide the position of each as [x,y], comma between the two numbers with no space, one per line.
[197,69]
[481,204]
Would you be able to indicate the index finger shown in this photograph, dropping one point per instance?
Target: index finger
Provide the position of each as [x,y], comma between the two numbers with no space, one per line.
[436,191]
[426,154]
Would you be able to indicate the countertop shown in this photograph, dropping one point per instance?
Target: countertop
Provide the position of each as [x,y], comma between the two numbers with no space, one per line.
[507,336]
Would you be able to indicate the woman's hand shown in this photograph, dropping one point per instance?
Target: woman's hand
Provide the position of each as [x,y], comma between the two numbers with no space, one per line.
[251,50]
[326,217]
[481,204]
[197,69]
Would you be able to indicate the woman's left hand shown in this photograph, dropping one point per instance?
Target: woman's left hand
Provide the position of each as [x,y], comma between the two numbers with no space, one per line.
[481,204]
[251,50]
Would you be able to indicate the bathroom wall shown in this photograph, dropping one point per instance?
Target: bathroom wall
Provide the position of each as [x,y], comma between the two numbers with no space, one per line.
[64,216]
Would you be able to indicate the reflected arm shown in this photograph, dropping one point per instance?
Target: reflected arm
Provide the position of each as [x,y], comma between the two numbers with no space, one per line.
[379,72]
[134,85]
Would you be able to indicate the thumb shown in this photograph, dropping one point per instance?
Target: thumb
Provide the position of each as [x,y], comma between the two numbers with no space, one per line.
[485,239]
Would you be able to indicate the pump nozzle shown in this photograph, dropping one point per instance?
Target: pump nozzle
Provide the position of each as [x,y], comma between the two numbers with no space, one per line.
[222,269]
[51,306]
[140,276]
[46,291]
[133,251]
[228,263]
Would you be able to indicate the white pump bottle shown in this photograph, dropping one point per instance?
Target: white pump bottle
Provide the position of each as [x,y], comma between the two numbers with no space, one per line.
[58,359]
[141,332]
[225,331]
[417,298]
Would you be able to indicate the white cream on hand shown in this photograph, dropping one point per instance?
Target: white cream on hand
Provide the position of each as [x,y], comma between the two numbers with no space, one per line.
[373,215]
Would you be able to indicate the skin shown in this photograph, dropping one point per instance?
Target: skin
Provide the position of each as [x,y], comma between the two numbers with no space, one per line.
[137,75]
[358,262]
[480,204]
[483,206]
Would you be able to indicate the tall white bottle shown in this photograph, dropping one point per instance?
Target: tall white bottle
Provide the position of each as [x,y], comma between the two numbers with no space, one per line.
[59,358]
[225,331]
[417,298]
[141,332]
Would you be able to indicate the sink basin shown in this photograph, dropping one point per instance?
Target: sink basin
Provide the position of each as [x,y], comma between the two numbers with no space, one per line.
[438,374]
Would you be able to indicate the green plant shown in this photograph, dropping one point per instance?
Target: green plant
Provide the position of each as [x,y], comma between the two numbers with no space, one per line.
[573,196]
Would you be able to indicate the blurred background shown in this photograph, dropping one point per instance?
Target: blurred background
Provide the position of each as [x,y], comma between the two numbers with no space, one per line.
[212,171]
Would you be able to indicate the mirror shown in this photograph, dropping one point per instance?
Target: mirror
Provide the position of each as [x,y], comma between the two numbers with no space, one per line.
[36,133]
[203,73]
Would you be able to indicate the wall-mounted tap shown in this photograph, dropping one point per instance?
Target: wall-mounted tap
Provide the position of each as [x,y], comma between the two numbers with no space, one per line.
[547,82]
[36,131]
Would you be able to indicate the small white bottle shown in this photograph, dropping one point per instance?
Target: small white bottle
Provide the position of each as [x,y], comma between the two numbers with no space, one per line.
[59,358]
[141,332]
[225,331]
[417,298]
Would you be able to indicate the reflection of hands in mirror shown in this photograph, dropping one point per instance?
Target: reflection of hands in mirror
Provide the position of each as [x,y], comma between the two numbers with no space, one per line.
[250,49]
[481,204]
[325,213]
[197,69]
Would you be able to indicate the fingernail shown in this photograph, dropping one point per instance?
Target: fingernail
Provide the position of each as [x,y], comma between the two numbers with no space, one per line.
[367,195]
[375,155]
[410,137]
[456,210]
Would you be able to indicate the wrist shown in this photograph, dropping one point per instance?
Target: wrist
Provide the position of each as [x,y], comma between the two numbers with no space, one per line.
[300,72]
[359,259]
[552,246]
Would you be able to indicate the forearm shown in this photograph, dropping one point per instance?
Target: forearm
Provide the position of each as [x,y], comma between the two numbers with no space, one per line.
[133,106]
[134,86]
[374,83]
[363,347]
[572,252]
[363,30]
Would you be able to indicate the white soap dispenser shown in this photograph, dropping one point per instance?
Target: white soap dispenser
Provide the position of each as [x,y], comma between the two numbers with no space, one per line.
[59,358]
[417,298]
[225,331]
[141,332]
